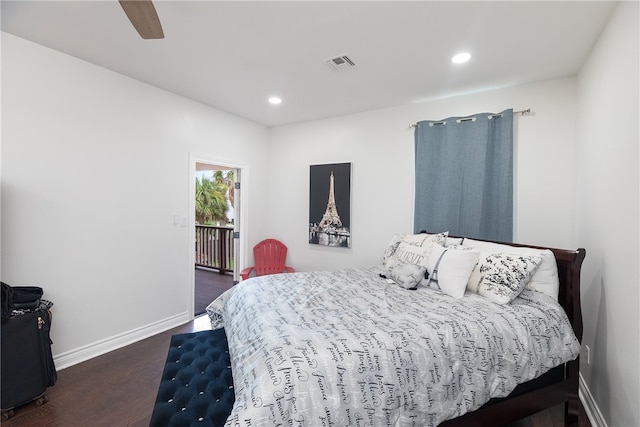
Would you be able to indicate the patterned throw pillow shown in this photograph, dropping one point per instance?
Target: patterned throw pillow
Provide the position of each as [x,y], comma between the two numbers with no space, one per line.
[545,279]
[504,276]
[406,274]
[391,247]
[413,248]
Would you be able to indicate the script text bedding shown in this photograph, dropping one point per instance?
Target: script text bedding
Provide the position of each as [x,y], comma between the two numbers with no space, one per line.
[348,348]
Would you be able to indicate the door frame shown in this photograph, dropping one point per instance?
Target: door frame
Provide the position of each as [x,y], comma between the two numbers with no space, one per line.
[240,208]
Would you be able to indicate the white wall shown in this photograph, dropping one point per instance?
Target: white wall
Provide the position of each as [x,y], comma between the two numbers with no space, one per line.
[94,168]
[380,146]
[607,216]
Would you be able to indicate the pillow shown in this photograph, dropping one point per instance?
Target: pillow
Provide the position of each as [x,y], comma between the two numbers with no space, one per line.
[449,269]
[406,274]
[420,238]
[415,248]
[454,241]
[545,279]
[391,247]
[504,276]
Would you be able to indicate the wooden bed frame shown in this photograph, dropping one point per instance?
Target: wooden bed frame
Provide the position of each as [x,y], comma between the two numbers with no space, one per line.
[560,385]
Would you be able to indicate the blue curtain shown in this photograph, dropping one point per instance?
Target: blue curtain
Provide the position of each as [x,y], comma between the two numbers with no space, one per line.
[464,176]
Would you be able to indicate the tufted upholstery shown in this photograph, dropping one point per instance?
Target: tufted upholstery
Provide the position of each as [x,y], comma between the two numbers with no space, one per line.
[196,387]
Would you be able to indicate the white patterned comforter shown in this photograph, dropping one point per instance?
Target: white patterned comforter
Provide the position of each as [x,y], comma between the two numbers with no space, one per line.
[346,348]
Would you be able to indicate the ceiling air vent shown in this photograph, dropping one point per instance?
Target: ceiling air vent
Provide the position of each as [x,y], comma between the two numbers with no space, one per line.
[340,63]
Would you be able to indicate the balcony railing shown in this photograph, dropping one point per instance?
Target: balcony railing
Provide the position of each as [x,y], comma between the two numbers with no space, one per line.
[214,247]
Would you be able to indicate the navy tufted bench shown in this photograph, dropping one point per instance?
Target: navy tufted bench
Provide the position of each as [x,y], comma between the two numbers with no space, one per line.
[196,387]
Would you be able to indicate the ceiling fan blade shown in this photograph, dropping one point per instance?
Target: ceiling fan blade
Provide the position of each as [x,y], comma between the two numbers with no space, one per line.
[144,18]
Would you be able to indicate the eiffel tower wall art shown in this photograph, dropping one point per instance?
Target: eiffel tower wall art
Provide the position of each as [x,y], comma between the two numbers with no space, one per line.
[330,205]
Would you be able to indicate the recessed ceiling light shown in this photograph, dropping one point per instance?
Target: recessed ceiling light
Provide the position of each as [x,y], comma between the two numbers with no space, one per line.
[461,58]
[275,100]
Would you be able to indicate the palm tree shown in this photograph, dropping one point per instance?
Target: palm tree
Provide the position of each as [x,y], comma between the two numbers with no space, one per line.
[211,203]
[226,178]
[230,181]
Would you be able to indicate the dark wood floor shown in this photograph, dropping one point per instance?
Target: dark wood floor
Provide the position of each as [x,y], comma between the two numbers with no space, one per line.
[209,284]
[120,387]
[551,418]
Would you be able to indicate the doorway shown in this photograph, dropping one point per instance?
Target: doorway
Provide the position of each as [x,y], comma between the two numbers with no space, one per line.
[214,230]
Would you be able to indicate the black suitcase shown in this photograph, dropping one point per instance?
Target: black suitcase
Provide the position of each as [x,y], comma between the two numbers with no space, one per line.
[27,362]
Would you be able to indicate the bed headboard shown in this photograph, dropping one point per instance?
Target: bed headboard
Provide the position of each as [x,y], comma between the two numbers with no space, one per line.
[569,266]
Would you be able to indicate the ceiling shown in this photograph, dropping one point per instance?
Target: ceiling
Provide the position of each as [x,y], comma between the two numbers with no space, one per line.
[234,55]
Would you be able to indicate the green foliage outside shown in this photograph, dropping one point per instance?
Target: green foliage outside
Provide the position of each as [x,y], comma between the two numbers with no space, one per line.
[211,198]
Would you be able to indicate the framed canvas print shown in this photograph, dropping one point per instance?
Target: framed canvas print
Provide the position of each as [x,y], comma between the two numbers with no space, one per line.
[330,205]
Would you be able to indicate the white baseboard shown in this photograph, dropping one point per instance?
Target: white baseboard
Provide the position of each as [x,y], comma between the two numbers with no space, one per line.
[73,357]
[593,412]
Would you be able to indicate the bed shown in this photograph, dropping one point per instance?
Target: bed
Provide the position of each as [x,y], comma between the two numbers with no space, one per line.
[362,346]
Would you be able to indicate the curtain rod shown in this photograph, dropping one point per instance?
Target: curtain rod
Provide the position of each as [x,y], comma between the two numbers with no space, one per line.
[521,112]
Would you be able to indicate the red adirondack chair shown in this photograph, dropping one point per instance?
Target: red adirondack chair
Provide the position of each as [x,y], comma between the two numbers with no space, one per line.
[269,256]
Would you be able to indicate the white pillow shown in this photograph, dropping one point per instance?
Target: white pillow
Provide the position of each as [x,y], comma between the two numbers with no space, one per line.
[503,276]
[414,248]
[545,279]
[454,265]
